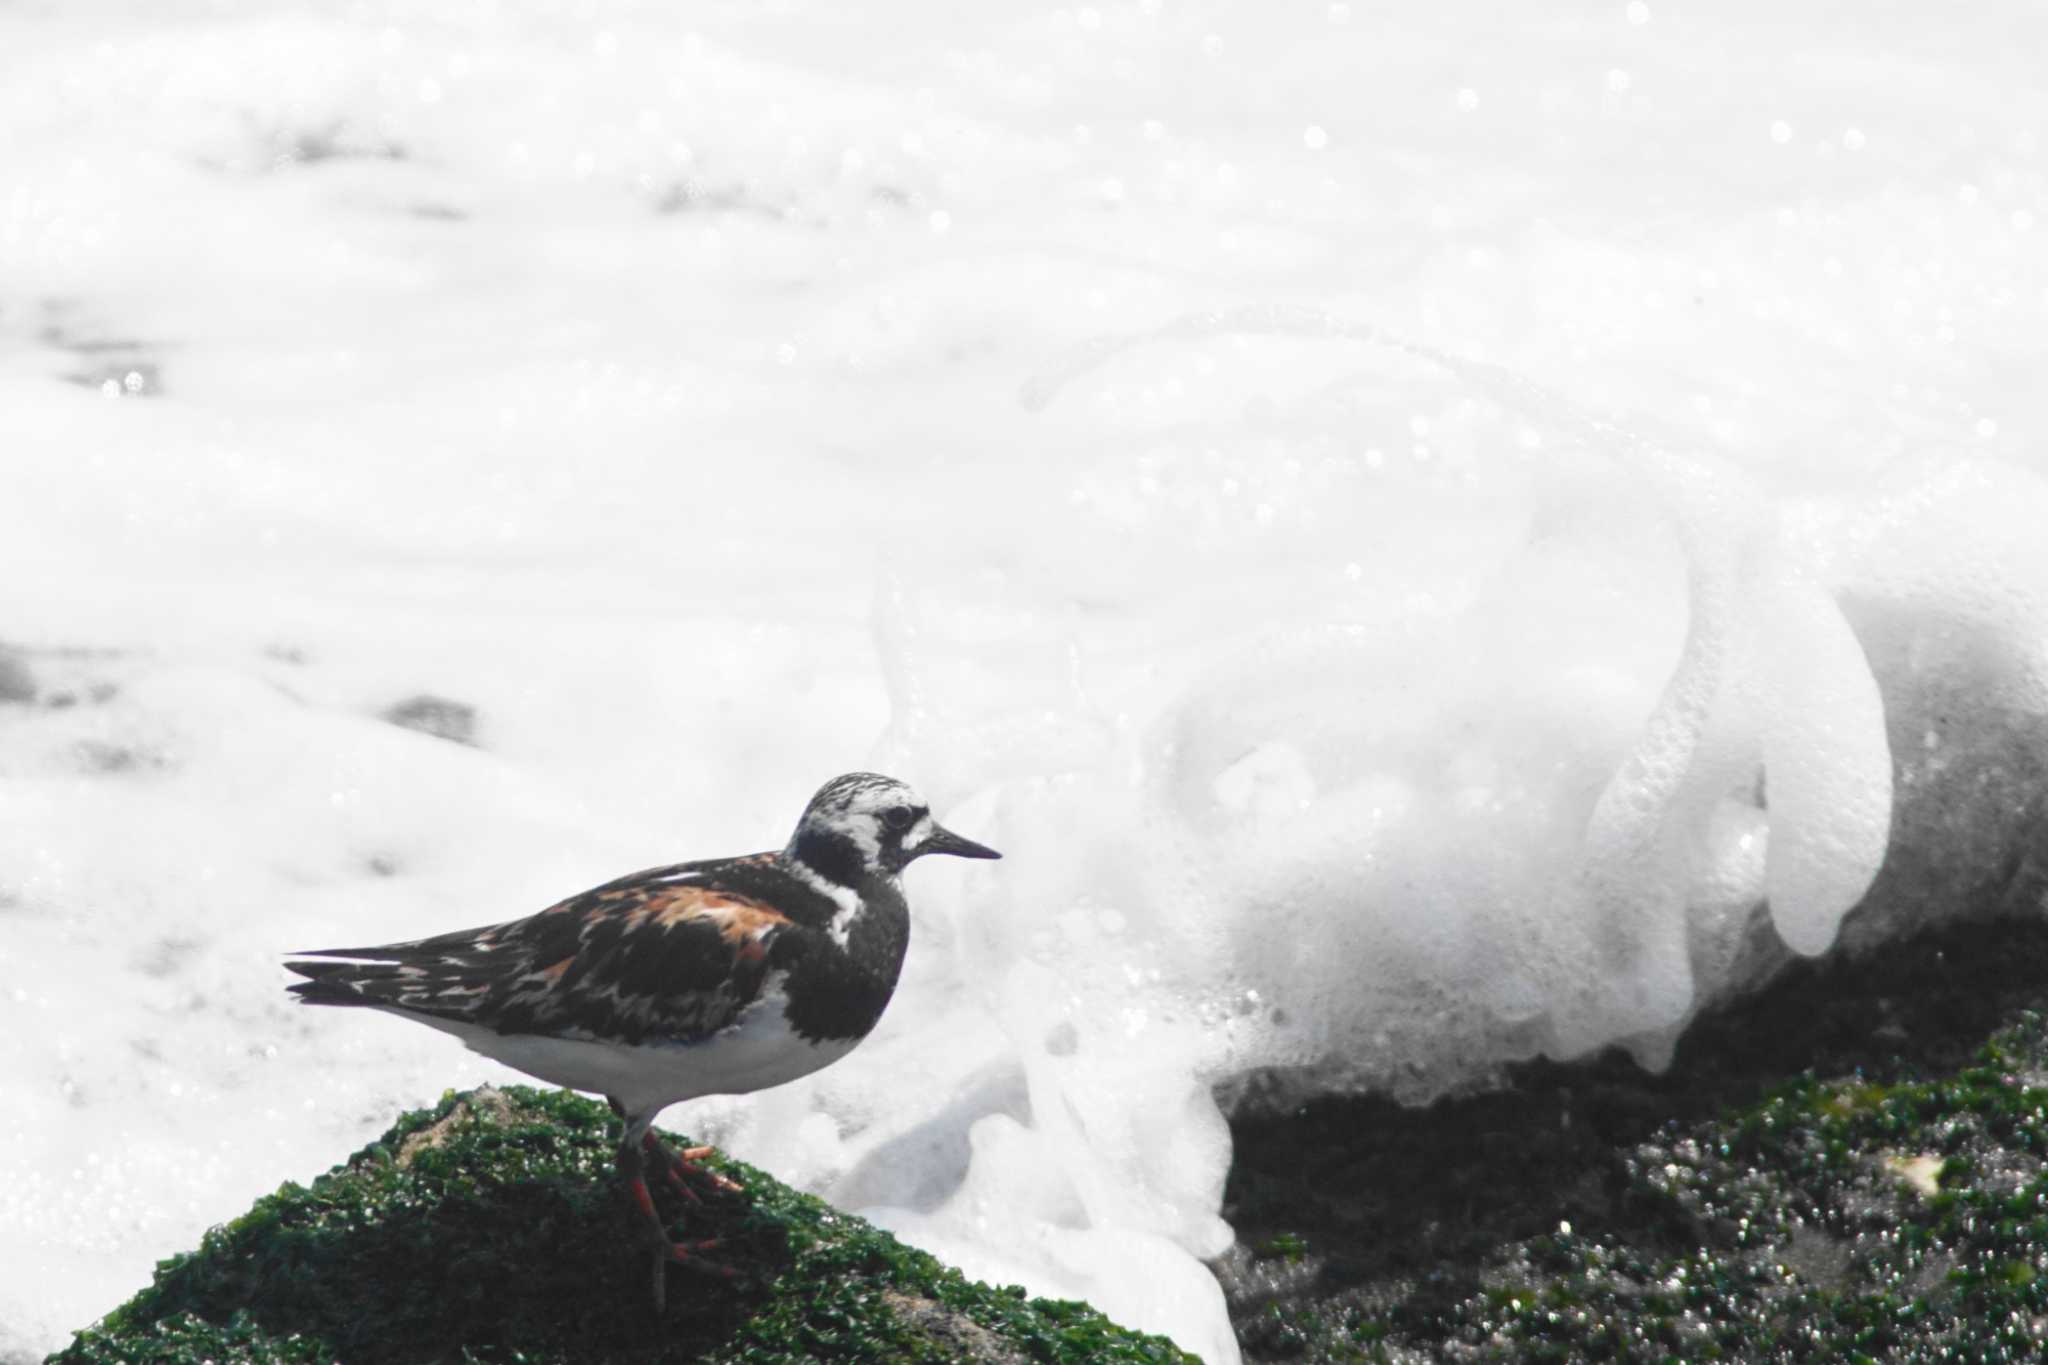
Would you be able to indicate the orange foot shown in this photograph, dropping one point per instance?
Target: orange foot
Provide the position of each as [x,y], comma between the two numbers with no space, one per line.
[681,1171]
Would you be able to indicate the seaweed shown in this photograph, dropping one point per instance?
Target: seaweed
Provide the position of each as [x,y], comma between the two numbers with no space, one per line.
[490,1228]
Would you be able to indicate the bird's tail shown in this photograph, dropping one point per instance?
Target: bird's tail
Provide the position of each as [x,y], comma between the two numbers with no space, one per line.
[340,983]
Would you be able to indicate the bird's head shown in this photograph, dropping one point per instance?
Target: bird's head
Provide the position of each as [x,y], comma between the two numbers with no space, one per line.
[864,824]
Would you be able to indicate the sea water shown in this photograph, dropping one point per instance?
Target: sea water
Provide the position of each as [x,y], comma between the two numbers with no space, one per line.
[1428,537]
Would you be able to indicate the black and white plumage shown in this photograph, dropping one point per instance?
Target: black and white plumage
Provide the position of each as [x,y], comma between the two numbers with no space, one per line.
[716,977]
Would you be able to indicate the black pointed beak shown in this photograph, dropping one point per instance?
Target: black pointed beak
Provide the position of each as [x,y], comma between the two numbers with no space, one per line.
[943,840]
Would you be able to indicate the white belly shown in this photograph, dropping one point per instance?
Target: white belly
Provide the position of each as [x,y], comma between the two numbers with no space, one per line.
[758,1050]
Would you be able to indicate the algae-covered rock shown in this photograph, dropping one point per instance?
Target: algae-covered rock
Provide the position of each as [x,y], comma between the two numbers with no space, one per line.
[1852,1166]
[490,1228]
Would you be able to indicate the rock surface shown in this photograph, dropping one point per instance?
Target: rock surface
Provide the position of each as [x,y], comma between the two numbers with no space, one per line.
[490,1228]
[1848,1166]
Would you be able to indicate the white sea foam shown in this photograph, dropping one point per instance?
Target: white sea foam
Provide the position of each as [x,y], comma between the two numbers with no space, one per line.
[1348,709]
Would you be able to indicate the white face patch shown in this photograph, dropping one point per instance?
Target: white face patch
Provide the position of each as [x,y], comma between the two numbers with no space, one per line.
[863,827]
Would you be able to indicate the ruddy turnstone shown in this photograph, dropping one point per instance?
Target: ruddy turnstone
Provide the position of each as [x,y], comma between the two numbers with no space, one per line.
[707,978]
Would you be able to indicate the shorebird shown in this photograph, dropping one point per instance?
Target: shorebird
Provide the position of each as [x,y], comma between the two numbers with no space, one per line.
[717,977]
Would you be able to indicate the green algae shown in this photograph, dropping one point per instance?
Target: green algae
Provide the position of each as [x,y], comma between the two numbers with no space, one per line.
[1853,1167]
[489,1228]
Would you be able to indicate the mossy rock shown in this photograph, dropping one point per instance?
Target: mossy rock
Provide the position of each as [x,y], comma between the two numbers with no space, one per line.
[491,1228]
[1852,1166]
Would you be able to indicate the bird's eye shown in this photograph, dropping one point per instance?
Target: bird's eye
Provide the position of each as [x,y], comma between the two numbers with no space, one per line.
[899,817]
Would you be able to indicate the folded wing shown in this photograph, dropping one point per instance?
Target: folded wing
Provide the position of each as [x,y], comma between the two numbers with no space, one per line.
[666,954]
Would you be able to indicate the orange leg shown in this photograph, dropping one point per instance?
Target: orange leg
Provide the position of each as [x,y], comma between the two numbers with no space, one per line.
[632,1169]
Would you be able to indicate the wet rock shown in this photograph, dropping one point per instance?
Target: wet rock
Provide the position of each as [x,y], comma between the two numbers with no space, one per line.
[17,683]
[490,1227]
[436,716]
[1848,1164]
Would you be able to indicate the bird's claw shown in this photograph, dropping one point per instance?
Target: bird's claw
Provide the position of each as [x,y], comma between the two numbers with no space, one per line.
[685,1254]
[679,1169]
